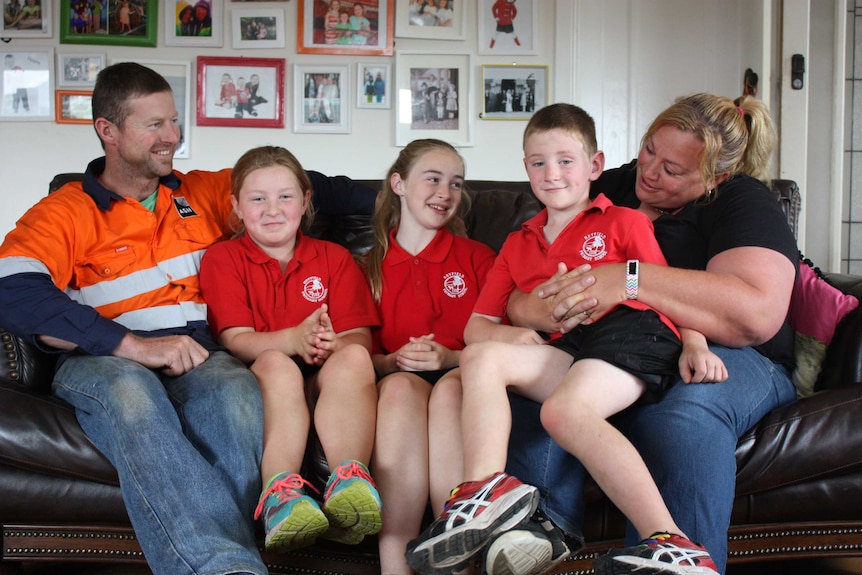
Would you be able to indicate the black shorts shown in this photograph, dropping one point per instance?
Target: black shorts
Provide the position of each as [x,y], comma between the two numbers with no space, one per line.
[506,28]
[432,376]
[633,340]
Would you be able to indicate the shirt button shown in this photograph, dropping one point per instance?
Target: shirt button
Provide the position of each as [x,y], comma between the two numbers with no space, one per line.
[416,261]
[106,271]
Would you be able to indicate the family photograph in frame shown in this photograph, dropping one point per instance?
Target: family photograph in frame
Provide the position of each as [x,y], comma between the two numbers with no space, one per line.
[78,70]
[193,22]
[260,28]
[240,92]
[373,85]
[321,102]
[74,107]
[439,20]
[507,27]
[359,27]
[27,19]
[513,91]
[109,22]
[27,86]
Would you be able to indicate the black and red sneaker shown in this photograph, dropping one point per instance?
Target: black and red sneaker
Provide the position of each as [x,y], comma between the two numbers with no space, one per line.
[475,513]
[661,554]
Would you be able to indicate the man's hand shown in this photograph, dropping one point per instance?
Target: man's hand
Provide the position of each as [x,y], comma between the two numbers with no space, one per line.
[557,304]
[171,354]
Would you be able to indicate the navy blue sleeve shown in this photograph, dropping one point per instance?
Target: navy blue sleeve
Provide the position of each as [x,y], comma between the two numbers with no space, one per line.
[33,306]
[340,195]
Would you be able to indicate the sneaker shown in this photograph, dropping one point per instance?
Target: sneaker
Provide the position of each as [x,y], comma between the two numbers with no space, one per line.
[531,549]
[663,553]
[475,513]
[352,504]
[291,519]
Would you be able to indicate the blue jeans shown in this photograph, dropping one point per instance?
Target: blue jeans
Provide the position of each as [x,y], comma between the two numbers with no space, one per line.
[687,439]
[187,450]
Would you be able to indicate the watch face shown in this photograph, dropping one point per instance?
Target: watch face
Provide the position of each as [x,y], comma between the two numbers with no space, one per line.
[633,268]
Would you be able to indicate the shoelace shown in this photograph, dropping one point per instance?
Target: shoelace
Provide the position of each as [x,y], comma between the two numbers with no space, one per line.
[284,489]
[349,471]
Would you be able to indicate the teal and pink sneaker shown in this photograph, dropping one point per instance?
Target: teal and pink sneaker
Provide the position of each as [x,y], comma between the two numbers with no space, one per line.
[291,518]
[352,504]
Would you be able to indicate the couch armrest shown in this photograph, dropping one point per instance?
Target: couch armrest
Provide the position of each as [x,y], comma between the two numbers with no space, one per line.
[24,366]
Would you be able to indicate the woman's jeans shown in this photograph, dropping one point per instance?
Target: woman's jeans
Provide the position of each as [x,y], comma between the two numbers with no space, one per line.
[688,440]
[187,450]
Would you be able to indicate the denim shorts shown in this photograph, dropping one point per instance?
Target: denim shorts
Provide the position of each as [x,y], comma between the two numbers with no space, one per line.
[633,340]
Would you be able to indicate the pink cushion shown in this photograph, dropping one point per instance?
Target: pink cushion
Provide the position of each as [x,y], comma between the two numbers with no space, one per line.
[816,306]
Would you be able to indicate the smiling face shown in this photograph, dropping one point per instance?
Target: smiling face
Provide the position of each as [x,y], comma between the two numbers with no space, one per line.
[560,170]
[668,169]
[271,204]
[149,136]
[431,191]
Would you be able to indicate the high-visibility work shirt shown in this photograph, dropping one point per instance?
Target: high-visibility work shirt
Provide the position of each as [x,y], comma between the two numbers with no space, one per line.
[245,287]
[431,292]
[601,234]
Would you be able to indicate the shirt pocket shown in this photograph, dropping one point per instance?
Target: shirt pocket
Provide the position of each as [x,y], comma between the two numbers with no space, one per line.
[198,231]
[104,266]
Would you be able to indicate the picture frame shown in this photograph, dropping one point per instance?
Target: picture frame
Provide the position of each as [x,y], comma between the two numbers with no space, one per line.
[184,28]
[178,75]
[33,19]
[411,20]
[258,28]
[503,34]
[422,110]
[260,106]
[27,85]
[513,91]
[321,102]
[73,106]
[108,21]
[78,70]
[319,32]
[373,85]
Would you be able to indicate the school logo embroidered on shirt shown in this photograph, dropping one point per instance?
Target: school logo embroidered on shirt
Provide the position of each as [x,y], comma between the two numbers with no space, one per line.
[594,247]
[183,207]
[454,285]
[313,289]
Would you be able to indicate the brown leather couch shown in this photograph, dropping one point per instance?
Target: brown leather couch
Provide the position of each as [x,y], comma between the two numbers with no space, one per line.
[799,477]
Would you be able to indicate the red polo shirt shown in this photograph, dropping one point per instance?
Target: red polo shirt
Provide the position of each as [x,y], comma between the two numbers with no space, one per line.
[431,292]
[601,234]
[244,287]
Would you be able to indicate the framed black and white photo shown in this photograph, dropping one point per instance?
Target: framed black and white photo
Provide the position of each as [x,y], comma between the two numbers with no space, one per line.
[440,20]
[193,22]
[27,86]
[433,98]
[507,27]
[373,85]
[321,102]
[258,28]
[78,70]
[513,91]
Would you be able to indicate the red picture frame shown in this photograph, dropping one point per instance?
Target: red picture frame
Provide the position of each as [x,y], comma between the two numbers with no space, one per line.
[240,92]
[312,37]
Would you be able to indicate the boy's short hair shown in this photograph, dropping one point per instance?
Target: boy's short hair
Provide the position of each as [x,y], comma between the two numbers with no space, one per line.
[567,117]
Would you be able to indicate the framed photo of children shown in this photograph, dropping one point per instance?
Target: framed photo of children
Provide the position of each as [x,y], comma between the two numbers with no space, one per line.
[74,107]
[109,22]
[373,85]
[433,98]
[358,27]
[27,19]
[240,92]
[78,70]
[513,91]
[27,86]
[321,101]
[507,27]
[431,19]
[193,22]
[258,28]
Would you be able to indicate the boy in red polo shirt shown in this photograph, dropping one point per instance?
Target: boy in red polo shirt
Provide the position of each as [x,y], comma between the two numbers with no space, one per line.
[296,307]
[581,377]
[425,279]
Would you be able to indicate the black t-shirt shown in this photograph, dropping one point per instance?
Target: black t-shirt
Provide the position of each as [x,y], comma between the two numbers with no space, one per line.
[744,212]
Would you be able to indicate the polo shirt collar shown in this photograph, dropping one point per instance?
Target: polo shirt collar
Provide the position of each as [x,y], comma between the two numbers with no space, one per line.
[304,251]
[434,252]
[102,195]
[535,224]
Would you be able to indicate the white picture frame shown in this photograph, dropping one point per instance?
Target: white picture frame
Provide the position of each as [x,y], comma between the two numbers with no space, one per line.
[24,27]
[257,28]
[421,80]
[497,37]
[514,91]
[78,70]
[321,102]
[27,85]
[179,32]
[377,93]
[409,23]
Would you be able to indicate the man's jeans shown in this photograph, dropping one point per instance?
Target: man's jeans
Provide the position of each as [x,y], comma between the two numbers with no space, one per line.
[187,450]
[688,440]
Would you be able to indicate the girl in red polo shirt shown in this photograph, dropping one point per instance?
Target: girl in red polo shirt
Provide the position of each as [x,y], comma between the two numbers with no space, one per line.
[425,279]
[298,308]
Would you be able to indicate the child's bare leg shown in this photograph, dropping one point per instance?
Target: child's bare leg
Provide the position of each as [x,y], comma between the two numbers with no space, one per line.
[401,465]
[445,441]
[575,415]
